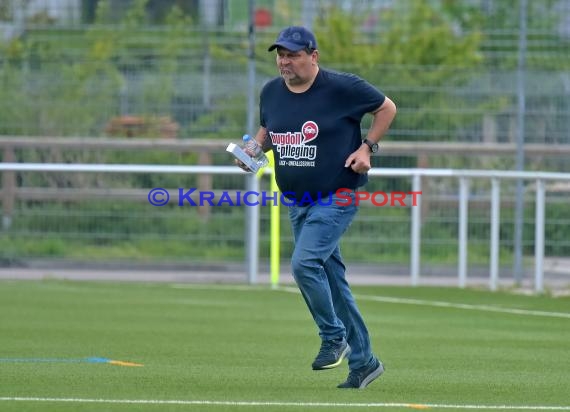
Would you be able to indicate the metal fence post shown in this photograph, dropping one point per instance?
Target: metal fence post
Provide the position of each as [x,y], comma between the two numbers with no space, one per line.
[252,232]
[252,222]
[520,137]
[8,189]
[415,239]
[539,238]
[495,233]
[463,212]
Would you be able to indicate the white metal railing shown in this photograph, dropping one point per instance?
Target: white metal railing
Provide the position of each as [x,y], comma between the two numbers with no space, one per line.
[463,176]
[495,176]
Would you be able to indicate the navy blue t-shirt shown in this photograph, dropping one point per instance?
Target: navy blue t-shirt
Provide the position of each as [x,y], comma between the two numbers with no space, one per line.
[312,133]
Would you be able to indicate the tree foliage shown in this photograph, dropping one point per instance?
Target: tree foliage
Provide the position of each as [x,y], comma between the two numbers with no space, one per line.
[416,52]
[76,80]
[427,55]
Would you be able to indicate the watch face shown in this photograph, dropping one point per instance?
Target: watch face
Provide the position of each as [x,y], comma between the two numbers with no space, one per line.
[373,146]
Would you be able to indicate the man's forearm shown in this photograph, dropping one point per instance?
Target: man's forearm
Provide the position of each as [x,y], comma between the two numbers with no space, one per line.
[382,120]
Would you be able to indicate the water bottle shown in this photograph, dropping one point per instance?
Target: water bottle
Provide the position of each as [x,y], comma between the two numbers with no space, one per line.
[252,146]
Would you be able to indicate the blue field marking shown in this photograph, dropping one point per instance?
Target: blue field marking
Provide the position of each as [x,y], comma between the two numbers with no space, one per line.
[40,360]
[97,360]
[93,359]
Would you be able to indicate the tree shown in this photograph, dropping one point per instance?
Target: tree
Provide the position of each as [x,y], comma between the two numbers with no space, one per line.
[418,55]
[75,81]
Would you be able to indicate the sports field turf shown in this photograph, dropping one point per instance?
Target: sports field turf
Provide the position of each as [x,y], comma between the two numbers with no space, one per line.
[235,348]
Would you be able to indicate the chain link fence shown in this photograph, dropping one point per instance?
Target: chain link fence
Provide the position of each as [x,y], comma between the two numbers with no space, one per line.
[458,72]
[452,67]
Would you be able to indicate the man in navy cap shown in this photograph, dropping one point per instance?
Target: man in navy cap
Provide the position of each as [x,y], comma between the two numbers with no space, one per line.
[310,117]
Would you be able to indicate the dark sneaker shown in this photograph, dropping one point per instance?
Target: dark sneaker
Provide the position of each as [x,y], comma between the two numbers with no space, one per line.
[331,354]
[360,378]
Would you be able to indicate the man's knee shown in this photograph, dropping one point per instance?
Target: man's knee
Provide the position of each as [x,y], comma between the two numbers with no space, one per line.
[296,265]
[301,262]
[302,265]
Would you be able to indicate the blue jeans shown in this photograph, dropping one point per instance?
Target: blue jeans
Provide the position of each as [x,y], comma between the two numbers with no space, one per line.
[319,272]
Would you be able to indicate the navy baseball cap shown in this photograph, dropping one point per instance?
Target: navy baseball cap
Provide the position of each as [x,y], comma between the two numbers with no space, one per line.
[295,38]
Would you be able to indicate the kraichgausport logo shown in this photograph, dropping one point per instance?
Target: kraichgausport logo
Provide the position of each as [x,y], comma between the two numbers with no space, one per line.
[341,197]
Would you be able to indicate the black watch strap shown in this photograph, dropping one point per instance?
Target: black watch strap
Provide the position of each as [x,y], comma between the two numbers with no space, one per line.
[373,146]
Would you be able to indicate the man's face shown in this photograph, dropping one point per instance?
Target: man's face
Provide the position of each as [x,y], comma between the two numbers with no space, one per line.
[295,67]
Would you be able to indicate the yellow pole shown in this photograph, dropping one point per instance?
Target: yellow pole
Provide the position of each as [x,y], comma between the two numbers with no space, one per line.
[275,235]
[274,218]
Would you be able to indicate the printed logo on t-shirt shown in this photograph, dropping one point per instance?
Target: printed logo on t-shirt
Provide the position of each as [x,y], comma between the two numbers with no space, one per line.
[292,147]
[310,131]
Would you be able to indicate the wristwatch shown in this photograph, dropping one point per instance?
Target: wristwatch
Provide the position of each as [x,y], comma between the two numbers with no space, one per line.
[373,146]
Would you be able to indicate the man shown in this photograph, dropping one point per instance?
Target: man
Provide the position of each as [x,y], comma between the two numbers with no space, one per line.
[310,117]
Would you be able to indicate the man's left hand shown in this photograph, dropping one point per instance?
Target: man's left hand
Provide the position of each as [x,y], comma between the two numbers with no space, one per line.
[359,161]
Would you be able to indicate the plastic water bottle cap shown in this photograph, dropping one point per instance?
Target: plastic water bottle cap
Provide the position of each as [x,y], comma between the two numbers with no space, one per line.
[246,137]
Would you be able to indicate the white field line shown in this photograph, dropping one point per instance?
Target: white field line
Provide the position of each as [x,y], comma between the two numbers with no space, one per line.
[440,304]
[286,404]
[200,286]
[387,299]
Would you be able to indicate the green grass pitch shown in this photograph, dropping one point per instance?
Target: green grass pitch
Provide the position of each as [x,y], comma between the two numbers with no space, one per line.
[236,348]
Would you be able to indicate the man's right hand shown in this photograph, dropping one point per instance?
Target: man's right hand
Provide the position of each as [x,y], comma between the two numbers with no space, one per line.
[242,165]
